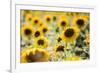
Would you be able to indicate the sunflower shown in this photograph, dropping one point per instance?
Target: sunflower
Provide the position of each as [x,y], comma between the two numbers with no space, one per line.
[27,31]
[48,18]
[37,33]
[44,28]
[35,21]
[80,21]
[70,34]
[34,55]
[73,58]
[63,21]
[41,42]
[59,48]
[28,17]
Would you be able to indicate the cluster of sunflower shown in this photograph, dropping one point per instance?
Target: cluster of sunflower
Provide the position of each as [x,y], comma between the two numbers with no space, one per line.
[54,36]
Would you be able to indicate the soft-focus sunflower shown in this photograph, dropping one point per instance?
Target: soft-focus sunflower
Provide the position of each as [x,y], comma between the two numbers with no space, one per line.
[38,33]
[44,28]
[27,31]
[40,23]
[41,42]
[48,18]
[63,21]
[80,22]
[34,55]
[28,17]
[70,34]
[73,58]
[35,21]
[59,48]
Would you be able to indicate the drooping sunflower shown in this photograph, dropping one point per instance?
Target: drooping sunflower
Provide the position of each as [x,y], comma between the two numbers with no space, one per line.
[59,48]
[80,21]
[70,34]
[73,58]
[27,31]
[41,42]
[63,21]
[34,55]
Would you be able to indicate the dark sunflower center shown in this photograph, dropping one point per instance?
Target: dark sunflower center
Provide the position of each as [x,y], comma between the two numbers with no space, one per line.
[48,19]
[59,39]
[35,21]
[60,48]
[69,32]
[80,22]
[44,30]
[41,42]
[37,33]
[27,32]
[34,57]
[63,23]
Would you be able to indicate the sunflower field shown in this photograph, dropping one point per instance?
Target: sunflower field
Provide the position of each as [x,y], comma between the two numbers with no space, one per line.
[53,36]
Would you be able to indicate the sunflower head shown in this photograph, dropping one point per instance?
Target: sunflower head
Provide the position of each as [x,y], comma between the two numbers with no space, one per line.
[41,42]
[28,17]
[48,18]
[27,31]
[80,22]
[37,33]
[35,21]
[70,34]
[44,29]
[63,22]
[34,55]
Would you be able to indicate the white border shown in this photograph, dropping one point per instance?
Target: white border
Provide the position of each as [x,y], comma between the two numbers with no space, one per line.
[16,66]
